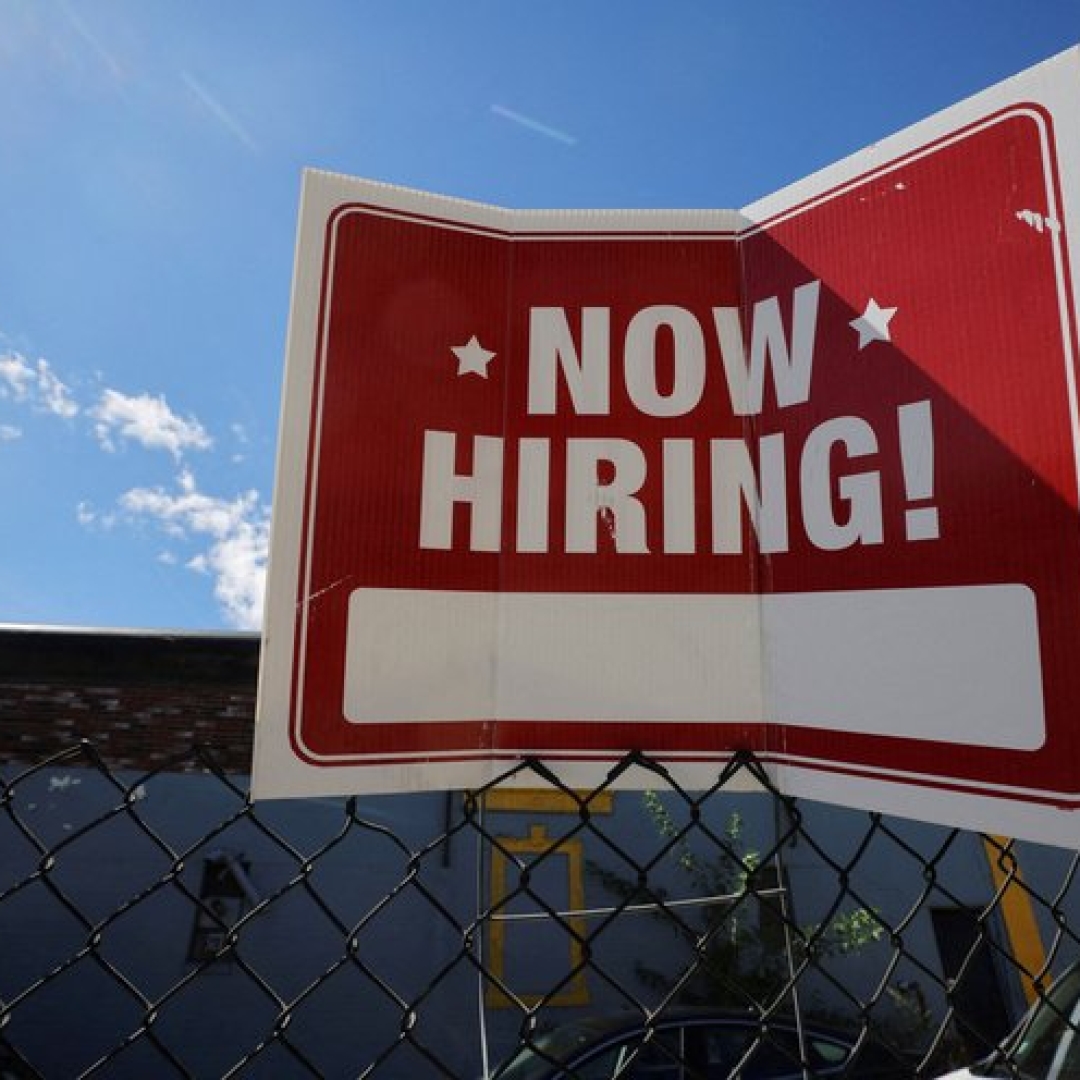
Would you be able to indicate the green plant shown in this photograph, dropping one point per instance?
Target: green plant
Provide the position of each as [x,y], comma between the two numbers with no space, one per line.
[732,918]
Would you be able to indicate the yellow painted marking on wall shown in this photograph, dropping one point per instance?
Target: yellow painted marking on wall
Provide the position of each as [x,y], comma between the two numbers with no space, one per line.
[576,991]
[1021,927]
[546,801]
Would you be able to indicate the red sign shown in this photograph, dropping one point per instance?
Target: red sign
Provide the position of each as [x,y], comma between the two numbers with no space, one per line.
[801,479]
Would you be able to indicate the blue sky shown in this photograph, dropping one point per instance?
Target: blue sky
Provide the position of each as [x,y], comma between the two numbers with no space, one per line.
[150,158]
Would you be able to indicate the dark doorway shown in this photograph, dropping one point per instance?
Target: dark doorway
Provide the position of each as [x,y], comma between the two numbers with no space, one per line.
[982,1018]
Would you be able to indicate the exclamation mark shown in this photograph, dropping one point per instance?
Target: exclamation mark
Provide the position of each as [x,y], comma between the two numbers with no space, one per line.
[917,460]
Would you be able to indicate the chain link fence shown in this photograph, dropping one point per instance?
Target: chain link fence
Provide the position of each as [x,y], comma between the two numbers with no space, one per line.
[160,924]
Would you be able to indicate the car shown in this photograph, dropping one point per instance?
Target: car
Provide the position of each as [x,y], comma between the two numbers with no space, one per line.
[1045,1045]
[694,1044]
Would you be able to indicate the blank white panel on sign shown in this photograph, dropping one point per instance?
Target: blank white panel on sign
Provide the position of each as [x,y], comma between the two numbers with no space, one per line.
[959,665]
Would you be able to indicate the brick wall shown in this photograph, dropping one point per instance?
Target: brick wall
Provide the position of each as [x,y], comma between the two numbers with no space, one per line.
[142,698]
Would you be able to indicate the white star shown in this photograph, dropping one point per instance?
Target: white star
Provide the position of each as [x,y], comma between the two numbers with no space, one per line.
[473,358]
[873,323]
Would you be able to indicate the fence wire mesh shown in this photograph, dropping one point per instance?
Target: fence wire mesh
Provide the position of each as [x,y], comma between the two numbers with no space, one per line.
[160,924]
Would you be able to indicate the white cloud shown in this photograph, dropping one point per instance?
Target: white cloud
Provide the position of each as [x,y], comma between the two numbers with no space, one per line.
[225,539]
[148,421]
[223,116]
[242,439]
[53,394]
[96,45]
[532,124]
[16,376]
[236,534]
[37,385]
[90,518]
